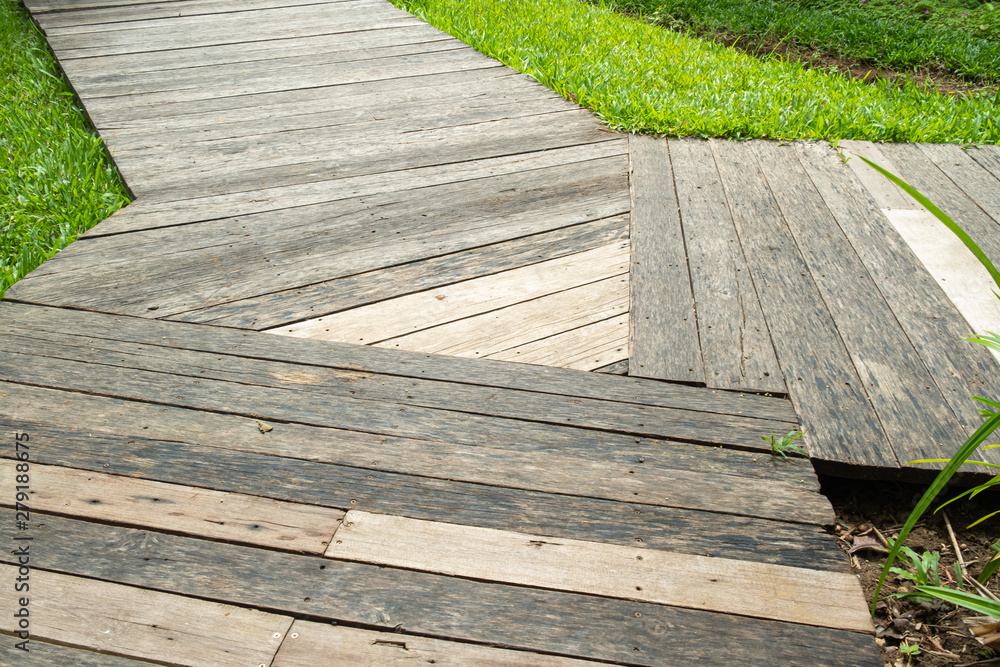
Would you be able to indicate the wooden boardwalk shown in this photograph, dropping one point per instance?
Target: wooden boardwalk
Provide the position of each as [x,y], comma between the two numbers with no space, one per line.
[271,409]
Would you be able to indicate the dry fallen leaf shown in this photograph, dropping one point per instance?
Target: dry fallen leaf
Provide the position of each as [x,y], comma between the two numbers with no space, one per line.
[264,428]
[867,543]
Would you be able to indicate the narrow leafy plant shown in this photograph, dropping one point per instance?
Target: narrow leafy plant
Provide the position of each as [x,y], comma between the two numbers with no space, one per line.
[973,601]
[781,445]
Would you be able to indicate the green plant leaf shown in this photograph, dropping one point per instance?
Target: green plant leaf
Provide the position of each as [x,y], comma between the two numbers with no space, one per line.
[970,446]
[939,214]
[977,603]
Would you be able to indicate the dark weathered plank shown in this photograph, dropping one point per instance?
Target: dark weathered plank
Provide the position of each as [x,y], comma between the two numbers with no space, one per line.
[821,378]
[344,488]
[151,213]
[426,604]
[285,307]
[239,258]
[664,336]
[352,400]
[930,320]
[647,464]
[44,654]
[914,415]
[650,474]
[735,345]
[394,362]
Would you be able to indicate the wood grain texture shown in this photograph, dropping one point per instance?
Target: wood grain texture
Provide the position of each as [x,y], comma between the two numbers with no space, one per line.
[455,458]
[589,347]
[664,329]
[45,654]
[885,193]
[536,321]
[229,342]
[406,315]
[177,508]
[914,415]
[821,378]
[922,173]
[713,584]
[144,624]
[342,646]
[735,346]
[930,320]
[434,605]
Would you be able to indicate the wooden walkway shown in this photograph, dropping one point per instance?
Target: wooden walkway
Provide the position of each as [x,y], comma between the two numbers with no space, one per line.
[271,412]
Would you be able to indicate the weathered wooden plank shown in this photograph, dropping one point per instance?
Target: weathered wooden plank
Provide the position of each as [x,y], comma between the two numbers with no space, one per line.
[357,152]
[177,508]
[45,654]
[619,368]
[976,183]
[347,399]
[86,12]
[236,258]
[591,347]
[284,307]
[931,321]
[919,171]
[664,332]
[988,157]
[404,315]
[321,354]
[532,321]
[443,607]
[637,464]
[256,26]
[735,347]
[914,415]
[151,213]
[374,490]
[821,379]
[156,61]
[142,623]
[885,193]
[824,599]
[338,68]
[342,646]
[431,110]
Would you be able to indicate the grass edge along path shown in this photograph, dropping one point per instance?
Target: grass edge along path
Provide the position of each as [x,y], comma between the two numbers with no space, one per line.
[56,178]
[638,77]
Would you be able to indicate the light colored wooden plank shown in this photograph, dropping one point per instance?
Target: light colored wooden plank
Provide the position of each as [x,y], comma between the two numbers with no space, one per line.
[309,644]
[586,348]
[776,592]
[521,323]
[885,193]
[144,624]
[735,345]
[396,317]
[966,282]
[664,332]
[200,512]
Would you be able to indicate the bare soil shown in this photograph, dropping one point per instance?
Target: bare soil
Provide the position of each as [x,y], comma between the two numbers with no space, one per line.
[868,513]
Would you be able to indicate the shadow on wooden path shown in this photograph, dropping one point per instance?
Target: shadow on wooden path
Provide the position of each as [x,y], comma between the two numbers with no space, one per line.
[377,484]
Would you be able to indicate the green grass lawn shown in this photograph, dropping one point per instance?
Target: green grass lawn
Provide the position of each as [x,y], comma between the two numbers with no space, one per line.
[960,37]
[56,180]
[640,77]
